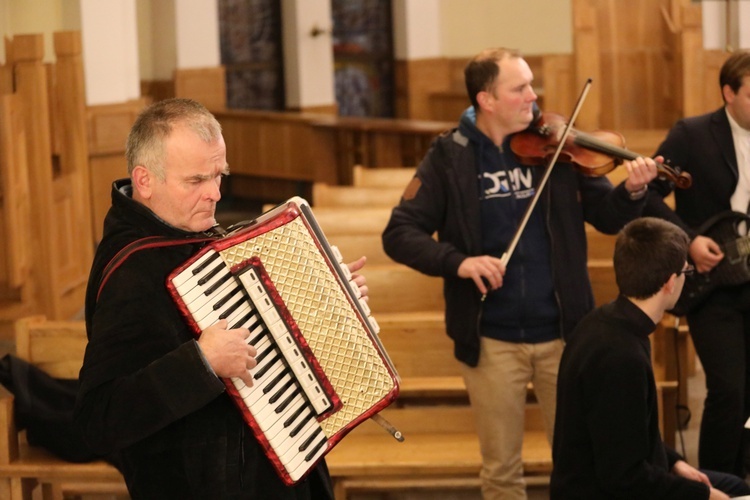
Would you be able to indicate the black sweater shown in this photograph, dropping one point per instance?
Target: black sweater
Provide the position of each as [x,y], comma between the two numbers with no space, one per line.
[607,443]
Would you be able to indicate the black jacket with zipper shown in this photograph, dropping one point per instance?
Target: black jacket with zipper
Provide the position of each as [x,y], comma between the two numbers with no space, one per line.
[444,198]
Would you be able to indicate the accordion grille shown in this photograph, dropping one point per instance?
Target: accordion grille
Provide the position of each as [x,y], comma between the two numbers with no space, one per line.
[325,317]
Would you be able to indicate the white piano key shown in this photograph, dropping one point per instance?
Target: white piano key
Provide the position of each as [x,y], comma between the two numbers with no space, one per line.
[337,254]
[277,434]
[305,462]
[293,457]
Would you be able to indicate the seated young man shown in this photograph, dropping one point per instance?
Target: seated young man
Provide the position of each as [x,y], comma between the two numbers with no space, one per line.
[606,441]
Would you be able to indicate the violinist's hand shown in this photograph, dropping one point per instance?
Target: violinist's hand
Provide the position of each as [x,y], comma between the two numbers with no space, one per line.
[490,268]
[359,279]
[706,253]
[641,171]
[228,352]
[683,469]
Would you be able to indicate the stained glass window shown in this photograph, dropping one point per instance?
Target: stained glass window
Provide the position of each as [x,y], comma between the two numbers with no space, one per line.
[363,57]
[251,51]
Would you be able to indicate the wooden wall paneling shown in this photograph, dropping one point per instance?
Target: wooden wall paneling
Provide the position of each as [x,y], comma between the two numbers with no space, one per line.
[205,85]
[558,75]
[415,81]
[277,145]
[6,70]
[108,127]
[586,50]
[712,62]
[694,78]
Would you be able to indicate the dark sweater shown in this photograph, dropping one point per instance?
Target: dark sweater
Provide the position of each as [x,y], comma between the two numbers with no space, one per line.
[607,443]
[525,308]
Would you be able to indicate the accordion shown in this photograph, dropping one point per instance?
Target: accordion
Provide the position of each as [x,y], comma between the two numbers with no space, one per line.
[321,369]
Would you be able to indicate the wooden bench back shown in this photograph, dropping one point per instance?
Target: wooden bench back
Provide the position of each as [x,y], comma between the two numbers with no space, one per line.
[325,195]
[419,346]
[382,177]
[395,288]
[55,346]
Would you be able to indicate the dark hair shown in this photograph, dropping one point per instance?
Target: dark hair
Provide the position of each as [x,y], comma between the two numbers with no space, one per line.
[482,71]
[734,69]
[145,144]
[647,252]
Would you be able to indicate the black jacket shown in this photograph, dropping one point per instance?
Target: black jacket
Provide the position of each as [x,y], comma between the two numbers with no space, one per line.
[704,147]
[446,201]
[146,392]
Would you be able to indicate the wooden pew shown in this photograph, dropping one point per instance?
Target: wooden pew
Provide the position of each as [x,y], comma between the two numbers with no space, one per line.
[396,288]
[56,347]
[440,451]
[382,177]
[45,117]
[325,195]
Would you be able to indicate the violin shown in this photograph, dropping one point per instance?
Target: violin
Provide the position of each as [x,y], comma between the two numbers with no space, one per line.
[593,154]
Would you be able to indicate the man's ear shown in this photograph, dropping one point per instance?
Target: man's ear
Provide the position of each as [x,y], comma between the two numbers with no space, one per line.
[728,94]
[142,182]
[669,286]
[483,99]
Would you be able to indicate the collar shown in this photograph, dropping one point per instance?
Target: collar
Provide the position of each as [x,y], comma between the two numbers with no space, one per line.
[736,129]
[142,216]
[643,326]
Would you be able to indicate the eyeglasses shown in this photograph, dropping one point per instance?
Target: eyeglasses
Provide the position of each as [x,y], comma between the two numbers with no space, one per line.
[687,270]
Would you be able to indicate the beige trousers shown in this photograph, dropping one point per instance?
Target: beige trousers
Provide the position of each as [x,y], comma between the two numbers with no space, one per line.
[497,390]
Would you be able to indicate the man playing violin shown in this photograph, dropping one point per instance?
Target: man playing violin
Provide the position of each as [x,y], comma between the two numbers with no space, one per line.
[715,149]
[507,322]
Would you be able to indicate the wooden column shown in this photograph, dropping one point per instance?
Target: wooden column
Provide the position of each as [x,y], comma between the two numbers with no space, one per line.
[72,183]
[31,86]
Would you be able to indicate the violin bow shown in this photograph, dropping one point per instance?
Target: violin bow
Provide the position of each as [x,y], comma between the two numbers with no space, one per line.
[548,170]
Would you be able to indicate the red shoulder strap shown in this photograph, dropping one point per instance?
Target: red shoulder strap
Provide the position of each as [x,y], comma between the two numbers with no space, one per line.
[141,244]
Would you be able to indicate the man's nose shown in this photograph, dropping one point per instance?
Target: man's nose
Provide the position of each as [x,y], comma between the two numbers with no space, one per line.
[213,192]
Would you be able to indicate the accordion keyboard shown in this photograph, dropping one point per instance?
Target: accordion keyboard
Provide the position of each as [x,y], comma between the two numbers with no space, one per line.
[286,396]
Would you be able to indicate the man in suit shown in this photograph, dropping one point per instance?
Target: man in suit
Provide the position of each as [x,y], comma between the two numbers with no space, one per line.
[715,149]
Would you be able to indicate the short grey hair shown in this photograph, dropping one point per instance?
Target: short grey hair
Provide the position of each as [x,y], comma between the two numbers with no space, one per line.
[145,144]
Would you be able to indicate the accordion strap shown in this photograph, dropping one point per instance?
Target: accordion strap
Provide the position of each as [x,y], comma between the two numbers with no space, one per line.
[143,244]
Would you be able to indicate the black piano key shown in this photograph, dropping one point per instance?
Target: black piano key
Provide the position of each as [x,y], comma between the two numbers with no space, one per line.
[283,405]
[226,298]
[265,352]
[315,449]
[210,290]
[307,442]
[243,320]
[261,373]
[232,308]
[205,264]
[289,421]
[262,333]
[272,383]
[297,428]
[216,270]
[281,391]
